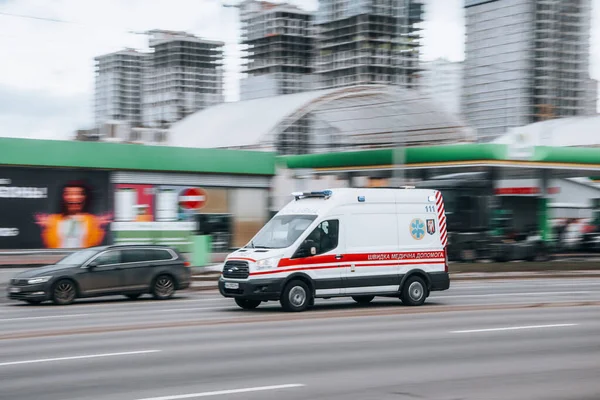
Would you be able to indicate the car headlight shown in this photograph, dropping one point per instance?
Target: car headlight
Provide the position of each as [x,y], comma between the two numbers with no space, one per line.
[268,263]
[41,279]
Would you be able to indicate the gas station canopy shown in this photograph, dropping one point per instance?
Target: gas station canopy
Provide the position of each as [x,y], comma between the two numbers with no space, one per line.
[510,160]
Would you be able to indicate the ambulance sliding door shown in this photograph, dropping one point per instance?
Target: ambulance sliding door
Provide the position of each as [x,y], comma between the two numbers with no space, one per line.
[371,239]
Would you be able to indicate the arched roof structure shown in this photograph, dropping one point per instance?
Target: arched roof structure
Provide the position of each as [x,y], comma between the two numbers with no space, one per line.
[367,116]
[560,132]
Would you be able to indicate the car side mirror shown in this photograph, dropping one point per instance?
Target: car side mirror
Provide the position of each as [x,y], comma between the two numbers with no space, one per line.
[92,265]
[307,248]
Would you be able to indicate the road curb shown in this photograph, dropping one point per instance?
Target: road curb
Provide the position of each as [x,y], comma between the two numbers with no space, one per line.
[500,276]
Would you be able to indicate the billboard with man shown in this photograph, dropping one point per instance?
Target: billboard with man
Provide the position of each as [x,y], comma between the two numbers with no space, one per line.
[51,208]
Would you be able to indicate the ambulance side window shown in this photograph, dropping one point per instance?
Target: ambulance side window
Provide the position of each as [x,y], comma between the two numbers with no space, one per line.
[325,236]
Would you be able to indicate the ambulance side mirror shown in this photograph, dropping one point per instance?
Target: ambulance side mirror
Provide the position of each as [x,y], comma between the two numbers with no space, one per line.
[307,248]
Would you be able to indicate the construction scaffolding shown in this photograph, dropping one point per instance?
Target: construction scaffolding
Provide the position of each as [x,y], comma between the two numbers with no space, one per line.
[118,93]
[184,74]
[279,46]
[367,41]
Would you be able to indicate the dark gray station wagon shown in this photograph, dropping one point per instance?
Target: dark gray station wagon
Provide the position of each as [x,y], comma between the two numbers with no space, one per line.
[130,270]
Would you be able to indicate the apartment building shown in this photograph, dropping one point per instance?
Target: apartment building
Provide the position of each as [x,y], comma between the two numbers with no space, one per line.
[184,74]
[279,49]
[118,93]
[368,41]
[526,61]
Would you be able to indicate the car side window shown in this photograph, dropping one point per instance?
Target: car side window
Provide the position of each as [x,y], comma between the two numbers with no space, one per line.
[160,255]
[325,236]
[136,255]
[108,258]
[145,255]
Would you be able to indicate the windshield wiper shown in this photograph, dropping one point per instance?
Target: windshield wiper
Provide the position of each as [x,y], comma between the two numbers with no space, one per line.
[261,247]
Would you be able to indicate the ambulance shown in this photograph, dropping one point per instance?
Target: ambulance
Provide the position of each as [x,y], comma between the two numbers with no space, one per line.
[348,242]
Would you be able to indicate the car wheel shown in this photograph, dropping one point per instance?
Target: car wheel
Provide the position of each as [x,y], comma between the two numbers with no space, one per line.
[296,296]
[414,292]
[133,296]
[164,287]
[247,304]
[34,302]
[64,292]
[363,299]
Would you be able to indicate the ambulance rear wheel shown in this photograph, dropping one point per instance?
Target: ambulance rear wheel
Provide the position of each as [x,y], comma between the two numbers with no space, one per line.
[247,304]
[296,296]
[363,299]
[414,291]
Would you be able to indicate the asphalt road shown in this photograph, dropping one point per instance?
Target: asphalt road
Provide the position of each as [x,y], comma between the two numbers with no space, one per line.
[535,339]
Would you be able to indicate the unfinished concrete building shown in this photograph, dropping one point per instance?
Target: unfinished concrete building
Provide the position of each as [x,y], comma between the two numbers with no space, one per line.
[118,80]
[280,48]
[184,74]
[368,42]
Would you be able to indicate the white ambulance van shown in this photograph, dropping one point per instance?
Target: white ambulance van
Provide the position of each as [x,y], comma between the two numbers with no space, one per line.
[352,242]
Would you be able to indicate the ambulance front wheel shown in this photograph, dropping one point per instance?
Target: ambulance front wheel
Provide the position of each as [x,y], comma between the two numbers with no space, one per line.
[414,291]
[296,296]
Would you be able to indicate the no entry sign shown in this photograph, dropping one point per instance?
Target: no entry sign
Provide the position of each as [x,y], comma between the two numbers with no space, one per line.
[192,199]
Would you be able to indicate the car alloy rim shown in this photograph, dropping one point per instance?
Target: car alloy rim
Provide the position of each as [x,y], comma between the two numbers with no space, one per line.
[415,290]
[65,291]
[297,296]
[164,286]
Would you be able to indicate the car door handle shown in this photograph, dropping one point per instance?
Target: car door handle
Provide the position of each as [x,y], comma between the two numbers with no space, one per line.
[339,256]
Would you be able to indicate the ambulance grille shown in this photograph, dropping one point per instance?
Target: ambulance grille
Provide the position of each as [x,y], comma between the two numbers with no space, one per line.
[236,270]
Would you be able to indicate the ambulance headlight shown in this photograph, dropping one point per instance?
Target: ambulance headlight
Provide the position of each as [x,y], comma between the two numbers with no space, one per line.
[268,263]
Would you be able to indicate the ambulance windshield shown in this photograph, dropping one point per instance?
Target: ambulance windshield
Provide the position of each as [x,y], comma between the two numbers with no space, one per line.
[281,231]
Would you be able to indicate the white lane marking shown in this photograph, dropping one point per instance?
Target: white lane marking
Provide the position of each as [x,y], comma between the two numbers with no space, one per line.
[44,317]
[226,392]
[514,328]
[464,296]
[44,360]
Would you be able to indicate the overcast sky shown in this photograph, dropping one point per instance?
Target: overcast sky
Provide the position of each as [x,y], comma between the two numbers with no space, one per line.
[47,67]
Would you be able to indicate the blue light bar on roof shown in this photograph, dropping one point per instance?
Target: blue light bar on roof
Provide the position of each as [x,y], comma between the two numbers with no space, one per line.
[324,194]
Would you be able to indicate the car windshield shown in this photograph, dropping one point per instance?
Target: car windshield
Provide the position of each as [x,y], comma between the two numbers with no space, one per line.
[79,257]
[281,231]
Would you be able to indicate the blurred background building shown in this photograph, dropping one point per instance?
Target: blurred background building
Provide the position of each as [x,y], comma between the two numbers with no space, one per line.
[368,41]
[118,91]
[184,74]
[180,75]
[339,119]
[526,61]
[123,132]
[280,49]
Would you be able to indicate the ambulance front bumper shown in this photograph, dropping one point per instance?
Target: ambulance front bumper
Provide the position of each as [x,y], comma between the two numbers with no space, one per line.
[252,289]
